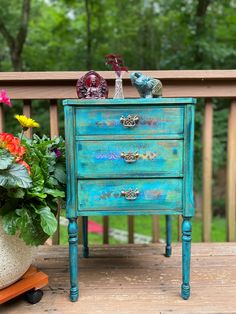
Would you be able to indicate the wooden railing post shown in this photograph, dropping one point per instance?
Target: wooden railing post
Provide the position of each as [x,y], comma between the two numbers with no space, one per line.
[207,170]
[130,229]
[179,228]
[155,229]
[1,118]
[27,111]
[54,131]
[80,228]
[231,173]
[105,230]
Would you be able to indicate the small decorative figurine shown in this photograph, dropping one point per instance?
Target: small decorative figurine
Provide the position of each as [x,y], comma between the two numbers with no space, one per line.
[92,86]
[117,64]
[147,87]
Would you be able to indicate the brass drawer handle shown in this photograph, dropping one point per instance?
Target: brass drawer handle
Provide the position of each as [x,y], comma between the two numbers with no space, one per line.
[129,157]
[130,121]
[130,194]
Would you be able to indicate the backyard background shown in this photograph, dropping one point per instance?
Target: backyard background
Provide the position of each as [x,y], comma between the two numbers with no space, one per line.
[72,35]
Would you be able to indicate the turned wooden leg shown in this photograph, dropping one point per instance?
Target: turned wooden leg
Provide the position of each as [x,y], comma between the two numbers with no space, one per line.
[168,236]
[85,237]
[186,253]
[73,251]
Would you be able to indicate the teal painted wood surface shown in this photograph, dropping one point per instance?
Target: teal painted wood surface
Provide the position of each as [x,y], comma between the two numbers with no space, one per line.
[156,194]
[106,159]
[188,161]
[110,137]
[152,120]
[100,182]
[186,255]
[73,252]
[71,199]
[129,101]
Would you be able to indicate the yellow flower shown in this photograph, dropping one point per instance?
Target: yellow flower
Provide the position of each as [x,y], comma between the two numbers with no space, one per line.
[26,123]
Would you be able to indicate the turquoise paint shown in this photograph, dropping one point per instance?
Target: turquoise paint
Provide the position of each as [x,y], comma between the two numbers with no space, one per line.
[154,194]
[186,253]
[153,120]
[188,161]
[97,175]
[110,137]
[129,101]
[73,252]
[103,159]
[71,200]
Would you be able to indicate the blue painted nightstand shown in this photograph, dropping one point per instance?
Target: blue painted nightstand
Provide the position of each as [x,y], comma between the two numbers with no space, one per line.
[129,157]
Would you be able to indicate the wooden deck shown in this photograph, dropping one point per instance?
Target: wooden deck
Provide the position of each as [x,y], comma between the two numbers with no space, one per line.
[136,279]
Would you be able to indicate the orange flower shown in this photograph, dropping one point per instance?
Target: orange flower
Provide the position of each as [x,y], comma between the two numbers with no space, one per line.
[13,145]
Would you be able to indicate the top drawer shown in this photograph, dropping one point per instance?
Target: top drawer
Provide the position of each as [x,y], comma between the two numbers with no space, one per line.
[138,120]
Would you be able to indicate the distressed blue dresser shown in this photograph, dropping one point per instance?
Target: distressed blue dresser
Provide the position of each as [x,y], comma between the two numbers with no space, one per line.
[129,157]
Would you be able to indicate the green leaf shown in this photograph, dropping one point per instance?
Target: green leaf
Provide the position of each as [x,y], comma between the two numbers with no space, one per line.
[6,159]
[37,178]
[9,222]
[29,226]
[48,220]
[54,192]
[36,195]
[16,193]
[60,173]
[15,176]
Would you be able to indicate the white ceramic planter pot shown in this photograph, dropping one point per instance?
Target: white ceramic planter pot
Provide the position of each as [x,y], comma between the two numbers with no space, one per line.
[15,258]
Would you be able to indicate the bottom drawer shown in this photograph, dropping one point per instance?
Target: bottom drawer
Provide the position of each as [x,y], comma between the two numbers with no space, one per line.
[132,195]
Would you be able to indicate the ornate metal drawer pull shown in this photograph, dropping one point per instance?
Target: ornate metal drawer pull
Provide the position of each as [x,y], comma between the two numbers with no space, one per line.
[129,157]
[130,194]
[130,121]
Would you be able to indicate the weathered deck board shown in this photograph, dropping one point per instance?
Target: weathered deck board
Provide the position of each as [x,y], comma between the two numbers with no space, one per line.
[137,279]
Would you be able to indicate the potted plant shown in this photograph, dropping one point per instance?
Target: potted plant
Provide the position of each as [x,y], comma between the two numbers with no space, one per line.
[32,183]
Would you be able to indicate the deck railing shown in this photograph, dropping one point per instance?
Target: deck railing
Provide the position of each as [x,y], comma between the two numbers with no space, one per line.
[207,84]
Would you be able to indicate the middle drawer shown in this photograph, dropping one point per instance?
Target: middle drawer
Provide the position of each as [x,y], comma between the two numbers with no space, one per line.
[148,158]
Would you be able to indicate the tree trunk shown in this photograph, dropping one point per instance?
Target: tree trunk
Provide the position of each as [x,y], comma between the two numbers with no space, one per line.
[89,37]
[201,11]
[16,44]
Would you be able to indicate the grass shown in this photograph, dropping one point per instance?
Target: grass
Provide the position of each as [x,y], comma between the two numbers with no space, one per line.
[143,225]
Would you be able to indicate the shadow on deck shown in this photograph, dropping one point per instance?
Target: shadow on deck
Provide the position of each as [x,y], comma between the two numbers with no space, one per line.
[136,279]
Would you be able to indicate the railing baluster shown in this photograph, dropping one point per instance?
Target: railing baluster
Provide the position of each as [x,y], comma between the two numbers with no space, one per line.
[179,228]
[54,131]
[130,229]
[155,228]
[105,230]
[27,111]
[1,118]
[231,173]
[80,228]
[207,170]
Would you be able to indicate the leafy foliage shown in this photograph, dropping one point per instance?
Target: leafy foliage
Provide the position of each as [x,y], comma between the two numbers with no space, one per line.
[31,210]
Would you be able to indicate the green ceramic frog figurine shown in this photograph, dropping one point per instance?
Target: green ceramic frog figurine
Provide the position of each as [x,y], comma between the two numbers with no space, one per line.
[147,87]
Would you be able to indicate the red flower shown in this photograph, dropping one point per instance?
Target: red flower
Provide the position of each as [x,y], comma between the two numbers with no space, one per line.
[117,63]
[4,99]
